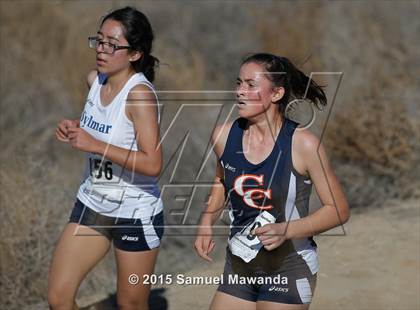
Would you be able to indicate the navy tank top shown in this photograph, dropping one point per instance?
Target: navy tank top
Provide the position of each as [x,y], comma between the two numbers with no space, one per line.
[272,185]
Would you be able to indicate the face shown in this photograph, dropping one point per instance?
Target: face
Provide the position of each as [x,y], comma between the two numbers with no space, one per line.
[255,93]
[113,32]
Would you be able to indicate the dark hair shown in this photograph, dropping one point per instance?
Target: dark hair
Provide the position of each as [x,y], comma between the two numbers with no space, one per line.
[139,34]
[295,82]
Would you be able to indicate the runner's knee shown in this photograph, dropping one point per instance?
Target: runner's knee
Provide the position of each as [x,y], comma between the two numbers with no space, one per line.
[60,298]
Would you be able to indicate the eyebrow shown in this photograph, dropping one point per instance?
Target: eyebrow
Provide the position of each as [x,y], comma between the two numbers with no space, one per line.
[113,38]
[246,80]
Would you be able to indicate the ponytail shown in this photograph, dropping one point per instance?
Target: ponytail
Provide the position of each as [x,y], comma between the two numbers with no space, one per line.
[146,64]
[296,84]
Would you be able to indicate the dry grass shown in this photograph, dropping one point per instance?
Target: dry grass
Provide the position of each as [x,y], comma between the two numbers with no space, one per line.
[376,152]
[29,230]
[372,137]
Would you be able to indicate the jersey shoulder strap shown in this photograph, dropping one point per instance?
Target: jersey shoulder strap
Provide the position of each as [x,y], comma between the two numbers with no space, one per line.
[234,139]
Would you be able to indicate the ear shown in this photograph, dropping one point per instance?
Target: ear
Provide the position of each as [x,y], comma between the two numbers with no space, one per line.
[278,93]
[136,55]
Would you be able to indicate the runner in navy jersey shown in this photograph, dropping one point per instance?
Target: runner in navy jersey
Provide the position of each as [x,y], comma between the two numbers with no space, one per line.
[266,167]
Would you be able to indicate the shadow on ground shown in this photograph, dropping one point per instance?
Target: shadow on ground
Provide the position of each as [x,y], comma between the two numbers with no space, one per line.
[157,301]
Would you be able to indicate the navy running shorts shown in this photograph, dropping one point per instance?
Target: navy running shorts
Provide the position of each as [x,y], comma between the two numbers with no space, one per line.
[288,287]
[126,234]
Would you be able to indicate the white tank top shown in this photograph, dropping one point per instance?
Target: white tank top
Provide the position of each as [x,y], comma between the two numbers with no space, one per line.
[107,187]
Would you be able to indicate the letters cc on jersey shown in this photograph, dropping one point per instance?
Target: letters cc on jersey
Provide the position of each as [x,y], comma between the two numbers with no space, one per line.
[249,195]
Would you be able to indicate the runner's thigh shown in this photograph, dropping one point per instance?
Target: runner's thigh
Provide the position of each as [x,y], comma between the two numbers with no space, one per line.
[132,289]
[74,256]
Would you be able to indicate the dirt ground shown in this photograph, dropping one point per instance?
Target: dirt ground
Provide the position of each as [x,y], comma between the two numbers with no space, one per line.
[375,265]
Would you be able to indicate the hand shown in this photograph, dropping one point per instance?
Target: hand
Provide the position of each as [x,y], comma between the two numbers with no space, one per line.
[271,235]
[81,140]
[61,131]
[204,243]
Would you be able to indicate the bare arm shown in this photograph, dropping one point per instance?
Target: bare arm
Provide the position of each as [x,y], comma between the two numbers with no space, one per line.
[216,201]
[142,110]
[204,243]
[335,209]
[91,78]
[312,160]
[215,205]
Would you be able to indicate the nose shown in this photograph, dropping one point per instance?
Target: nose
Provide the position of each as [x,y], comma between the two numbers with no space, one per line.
[240,92]
[100,47]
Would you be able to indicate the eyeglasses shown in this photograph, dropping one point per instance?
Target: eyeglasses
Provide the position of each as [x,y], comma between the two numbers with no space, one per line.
[108,48]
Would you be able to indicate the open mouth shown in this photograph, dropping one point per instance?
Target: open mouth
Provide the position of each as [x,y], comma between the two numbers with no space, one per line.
[241,103]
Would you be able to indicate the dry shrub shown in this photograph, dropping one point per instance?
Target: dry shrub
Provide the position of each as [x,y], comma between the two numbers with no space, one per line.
[291,29]
[26,232]
[45,58]
[375,152]
[174,75]
[36,198]
[373,133]
[374,138]
[378,136]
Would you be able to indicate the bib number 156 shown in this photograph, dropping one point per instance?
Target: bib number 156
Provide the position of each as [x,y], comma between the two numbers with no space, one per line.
[99,171]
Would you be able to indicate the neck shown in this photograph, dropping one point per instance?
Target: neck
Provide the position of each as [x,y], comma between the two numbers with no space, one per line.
[115,81]
[266,125]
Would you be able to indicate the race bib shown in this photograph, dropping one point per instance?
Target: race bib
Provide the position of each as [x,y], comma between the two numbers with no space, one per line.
[245,245]
[104,181]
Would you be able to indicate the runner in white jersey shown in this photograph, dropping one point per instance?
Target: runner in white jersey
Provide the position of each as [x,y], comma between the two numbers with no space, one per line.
[118,200]
[266,166]
[109,188]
